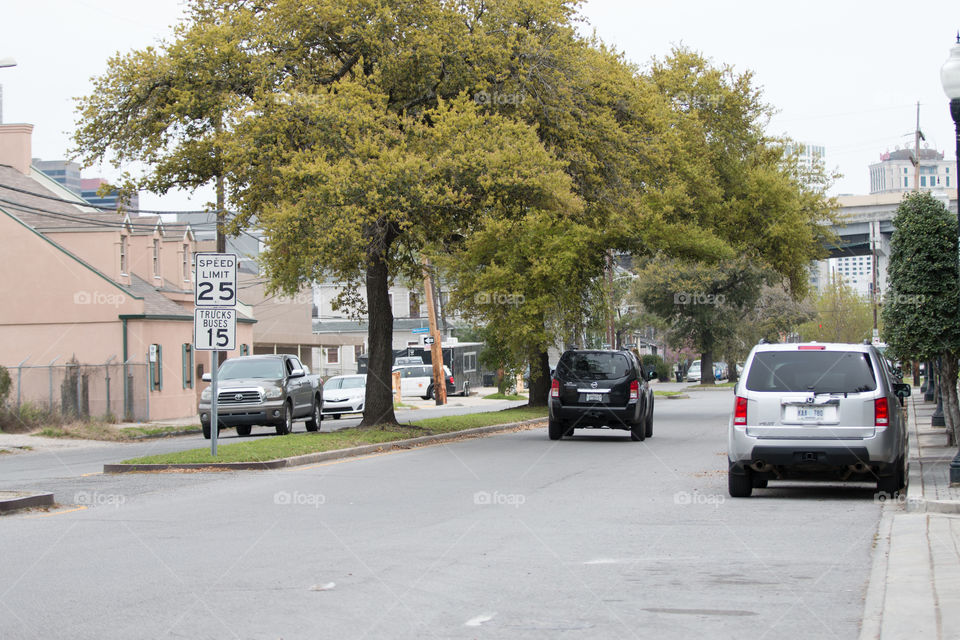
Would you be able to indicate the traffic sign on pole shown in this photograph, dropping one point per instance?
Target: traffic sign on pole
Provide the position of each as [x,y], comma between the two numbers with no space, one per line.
[214,329]
[216,282]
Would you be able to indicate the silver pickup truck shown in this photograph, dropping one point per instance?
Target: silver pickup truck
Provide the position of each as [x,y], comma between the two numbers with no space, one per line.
[270,390]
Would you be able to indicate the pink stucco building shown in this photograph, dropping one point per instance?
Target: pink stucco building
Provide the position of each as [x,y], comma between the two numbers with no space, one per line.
[96,288]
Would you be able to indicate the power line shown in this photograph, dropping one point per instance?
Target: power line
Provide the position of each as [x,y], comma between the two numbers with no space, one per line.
[99,207]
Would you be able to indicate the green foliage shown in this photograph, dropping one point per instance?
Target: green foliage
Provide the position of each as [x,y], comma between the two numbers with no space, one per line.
[663,370]
[5,384]
[840,315]
[703,303]
[920,319]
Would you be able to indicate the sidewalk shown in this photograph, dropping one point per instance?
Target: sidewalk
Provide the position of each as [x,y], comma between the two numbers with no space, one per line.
[914,589]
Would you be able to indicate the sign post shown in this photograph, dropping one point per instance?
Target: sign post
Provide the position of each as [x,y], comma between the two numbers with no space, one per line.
[215,319]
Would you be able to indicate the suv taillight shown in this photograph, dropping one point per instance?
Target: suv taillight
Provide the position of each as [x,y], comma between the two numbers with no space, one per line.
[634,389]
[740,411]
[555,388]
[451,381]
[881,413]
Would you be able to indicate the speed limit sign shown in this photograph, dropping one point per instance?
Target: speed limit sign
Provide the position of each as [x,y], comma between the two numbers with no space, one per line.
[216,280]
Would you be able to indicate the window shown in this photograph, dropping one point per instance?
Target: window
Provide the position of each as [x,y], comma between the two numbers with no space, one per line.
[470,361]
[357,352]
[186,365]
[155,360]
[244,349]
[923,181]
[906,182]
[414,305]
[333,355]
[123,254]
[156,257]
[187,260]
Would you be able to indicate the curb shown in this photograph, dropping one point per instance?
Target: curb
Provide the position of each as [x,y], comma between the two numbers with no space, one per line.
[311,458]
[14,500]
[168,434]
[916,502]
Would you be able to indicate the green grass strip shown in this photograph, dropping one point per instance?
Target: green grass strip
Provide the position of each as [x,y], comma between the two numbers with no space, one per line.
[263,448]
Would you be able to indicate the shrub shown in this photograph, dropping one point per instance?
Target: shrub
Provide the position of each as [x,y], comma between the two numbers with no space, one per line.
[663,371]
[5,384]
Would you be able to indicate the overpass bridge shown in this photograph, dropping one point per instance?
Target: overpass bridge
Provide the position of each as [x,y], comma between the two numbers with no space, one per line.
[867,221]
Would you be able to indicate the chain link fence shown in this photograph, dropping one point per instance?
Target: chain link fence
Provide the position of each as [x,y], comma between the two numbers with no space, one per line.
[113,390]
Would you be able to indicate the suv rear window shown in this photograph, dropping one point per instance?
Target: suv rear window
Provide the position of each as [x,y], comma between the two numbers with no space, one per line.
[593,366]
[811,371]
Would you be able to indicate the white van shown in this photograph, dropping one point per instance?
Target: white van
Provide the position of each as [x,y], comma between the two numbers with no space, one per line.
[693,373]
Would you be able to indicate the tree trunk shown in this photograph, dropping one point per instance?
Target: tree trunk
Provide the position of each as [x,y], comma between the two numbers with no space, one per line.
[732,369]
[706,364]
[539,380]
[378,405]
[951,408]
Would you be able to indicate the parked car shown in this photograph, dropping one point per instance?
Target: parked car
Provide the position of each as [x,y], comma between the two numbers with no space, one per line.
[601,389]
[693,373]
[270,390]
[818,411]
[417,380]
[344,394]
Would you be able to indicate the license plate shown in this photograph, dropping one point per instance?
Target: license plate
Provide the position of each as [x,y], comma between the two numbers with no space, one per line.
[594,397]
[813,414]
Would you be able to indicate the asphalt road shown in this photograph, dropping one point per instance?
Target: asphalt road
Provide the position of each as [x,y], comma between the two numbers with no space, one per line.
[511,536]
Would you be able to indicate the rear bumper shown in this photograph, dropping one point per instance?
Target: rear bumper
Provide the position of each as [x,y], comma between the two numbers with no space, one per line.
[595,416]
[880,451]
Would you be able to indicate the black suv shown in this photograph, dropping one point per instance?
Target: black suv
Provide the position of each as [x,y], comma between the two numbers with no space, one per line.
[601,389]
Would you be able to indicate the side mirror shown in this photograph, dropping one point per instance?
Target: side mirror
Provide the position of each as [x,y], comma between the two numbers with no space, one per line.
[297,373]
[652,373]
[206,377]
[902,390]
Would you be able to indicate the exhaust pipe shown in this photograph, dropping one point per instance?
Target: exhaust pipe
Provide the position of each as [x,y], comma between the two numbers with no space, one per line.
[858,468]
[760,466]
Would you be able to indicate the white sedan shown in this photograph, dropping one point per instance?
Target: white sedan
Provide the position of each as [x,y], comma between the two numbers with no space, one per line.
[344,394]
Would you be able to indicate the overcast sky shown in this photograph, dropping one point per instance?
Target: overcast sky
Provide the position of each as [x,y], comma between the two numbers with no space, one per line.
[845,75]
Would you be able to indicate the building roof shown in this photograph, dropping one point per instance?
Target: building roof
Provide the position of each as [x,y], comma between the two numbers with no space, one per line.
[45,205]
[154,302]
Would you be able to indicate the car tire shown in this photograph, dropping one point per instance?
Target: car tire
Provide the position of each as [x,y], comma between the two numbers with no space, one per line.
[243,430]
[638,430]
[429,395]
[287,425]
[891,485]
[206,430]
[554,429]
[648,428]
[740,486]
[313,422]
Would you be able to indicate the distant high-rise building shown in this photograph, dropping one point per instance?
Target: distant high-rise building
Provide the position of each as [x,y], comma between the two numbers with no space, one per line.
[67,173]
[895,172]
[89,188]
[808,155]
[854,271]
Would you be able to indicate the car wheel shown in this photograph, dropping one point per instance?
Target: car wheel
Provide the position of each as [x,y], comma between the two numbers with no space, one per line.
[891,485]
[206,430]
[740,486]
[313,424]
[429,395]
[554,429]
[638,430]
[648,428]
[287,425]
[243,430]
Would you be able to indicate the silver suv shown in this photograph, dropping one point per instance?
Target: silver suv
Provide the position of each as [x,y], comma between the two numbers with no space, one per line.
[816,410]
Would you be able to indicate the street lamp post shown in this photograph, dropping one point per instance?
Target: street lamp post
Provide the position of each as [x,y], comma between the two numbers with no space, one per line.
[4,62]
[950,79]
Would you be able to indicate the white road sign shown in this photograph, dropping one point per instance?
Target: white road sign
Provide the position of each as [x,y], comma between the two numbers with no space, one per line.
[216,280]
[215,329]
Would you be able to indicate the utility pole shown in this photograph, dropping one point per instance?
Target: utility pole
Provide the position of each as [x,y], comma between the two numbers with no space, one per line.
[436,350]
[611,332]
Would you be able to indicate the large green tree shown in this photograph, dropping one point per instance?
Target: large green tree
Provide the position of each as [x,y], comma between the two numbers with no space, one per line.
[840,315]
[920,314]
[704,303]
